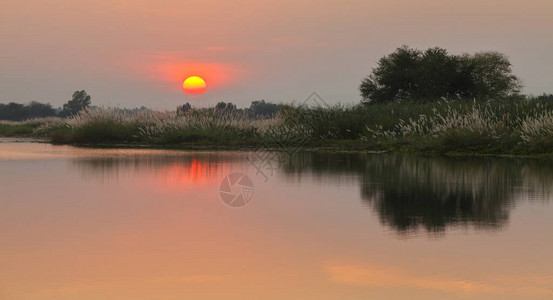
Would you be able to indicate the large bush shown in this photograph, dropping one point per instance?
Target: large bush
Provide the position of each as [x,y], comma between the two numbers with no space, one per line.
[412,74]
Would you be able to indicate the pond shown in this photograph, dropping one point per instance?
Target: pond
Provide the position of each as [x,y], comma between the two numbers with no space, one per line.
[78,223]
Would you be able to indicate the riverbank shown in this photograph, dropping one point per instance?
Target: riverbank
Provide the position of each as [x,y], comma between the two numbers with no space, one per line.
[516,127]
[341,146]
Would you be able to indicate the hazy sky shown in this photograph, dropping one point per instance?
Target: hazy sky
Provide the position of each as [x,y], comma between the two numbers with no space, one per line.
[132,53]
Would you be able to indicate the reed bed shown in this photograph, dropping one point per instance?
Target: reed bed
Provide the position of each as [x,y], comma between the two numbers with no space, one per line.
[510,127]
[106,125]
[23,128]
[490,127]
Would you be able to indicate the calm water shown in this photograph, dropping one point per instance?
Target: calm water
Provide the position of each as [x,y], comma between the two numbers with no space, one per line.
[148,224]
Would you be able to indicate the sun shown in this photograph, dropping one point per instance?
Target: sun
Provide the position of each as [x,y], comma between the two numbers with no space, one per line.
[194,85]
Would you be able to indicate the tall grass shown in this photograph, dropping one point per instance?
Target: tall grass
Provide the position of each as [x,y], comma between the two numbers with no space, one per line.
[22,128]
[515,126]
[107,125]
[491,127]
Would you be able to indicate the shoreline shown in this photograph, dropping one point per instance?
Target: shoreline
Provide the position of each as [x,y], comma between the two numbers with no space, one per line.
[515,128]
[337,146]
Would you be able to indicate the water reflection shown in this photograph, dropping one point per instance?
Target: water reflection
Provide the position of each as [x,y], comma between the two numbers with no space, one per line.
[146,224]
[179,169]
[410,193]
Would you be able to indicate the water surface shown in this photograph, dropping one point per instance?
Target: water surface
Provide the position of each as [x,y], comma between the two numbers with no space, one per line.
[80,223]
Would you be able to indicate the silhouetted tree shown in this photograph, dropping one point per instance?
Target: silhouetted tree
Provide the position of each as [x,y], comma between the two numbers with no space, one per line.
[183,109]
[79,101]
[225,107]
[412,74]
[264,109]
[490,75]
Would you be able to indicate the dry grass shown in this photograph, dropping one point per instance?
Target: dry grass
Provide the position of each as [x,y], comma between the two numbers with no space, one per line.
[477,119]
[112,125]
[528,126]
[515,127]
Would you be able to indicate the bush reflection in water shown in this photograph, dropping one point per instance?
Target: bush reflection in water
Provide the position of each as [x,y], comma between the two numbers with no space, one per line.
[408,193]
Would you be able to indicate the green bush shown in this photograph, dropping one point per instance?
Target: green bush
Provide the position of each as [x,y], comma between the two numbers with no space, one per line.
[410,75]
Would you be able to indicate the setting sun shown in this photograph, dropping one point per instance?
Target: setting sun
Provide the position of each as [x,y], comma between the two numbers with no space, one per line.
[194,85]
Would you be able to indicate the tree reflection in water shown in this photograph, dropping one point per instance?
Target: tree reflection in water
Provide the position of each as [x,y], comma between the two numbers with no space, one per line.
[410,193]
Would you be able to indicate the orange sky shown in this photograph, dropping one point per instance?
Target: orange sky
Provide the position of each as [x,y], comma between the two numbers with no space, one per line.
[131,53]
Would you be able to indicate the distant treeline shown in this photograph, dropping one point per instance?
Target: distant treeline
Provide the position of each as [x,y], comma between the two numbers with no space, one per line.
[33,110]
[20,112]
[257,109]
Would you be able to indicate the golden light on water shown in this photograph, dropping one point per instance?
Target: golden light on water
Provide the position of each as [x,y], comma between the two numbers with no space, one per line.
[150,224]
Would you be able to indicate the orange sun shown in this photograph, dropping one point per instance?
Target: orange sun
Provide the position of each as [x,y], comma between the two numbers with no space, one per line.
[194,85]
